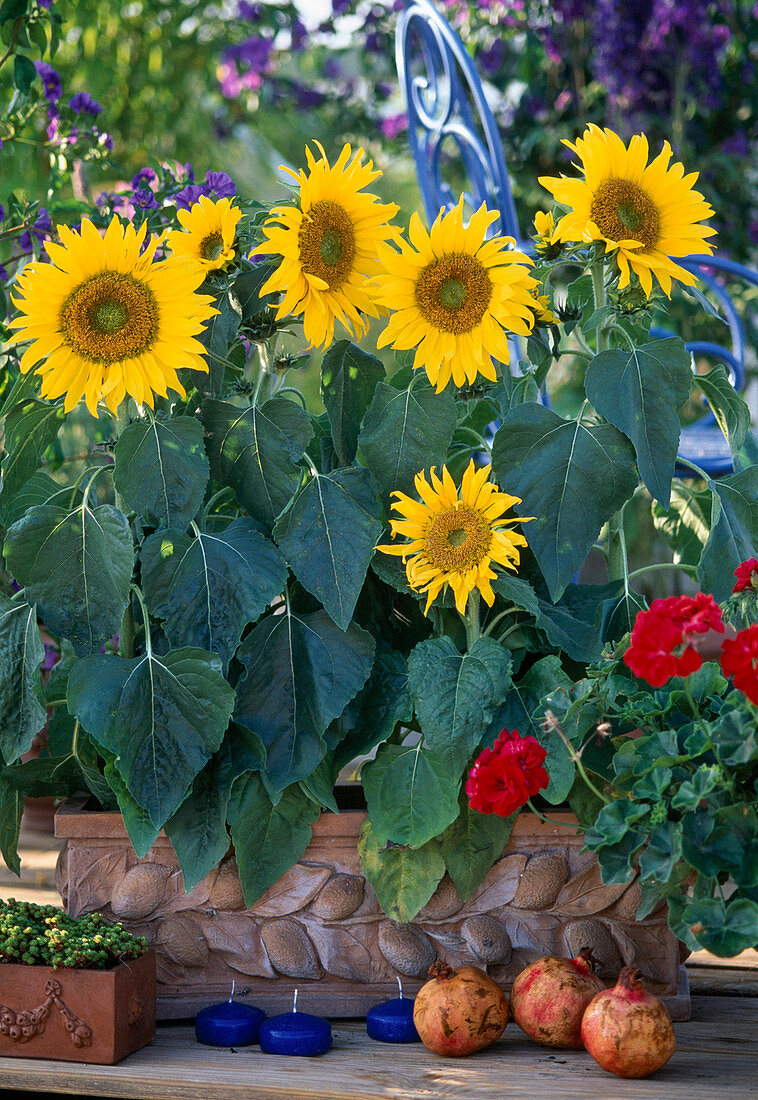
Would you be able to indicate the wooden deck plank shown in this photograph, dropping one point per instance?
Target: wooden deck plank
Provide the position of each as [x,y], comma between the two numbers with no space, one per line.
[716,1054]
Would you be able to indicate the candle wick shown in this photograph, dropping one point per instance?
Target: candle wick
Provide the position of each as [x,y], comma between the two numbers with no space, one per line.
[231,995]
[400,987]
[294,1002]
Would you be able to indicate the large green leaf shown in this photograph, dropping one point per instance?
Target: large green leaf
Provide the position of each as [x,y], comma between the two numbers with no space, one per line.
[456,695]
[410,794]
[22,702]
[472,844]
[255,451]
[39,489]
[573,624]
[197,830]
[208,588]
[162,469]
[724,928]
[76,566]
[403,878]
[380,705]
[328,535]
[404,432]
[218,333]
[268,838]
[11,808]
[142,833]
[571,477]
[518,712]
[729,408]
[300,672]
[162,717]
[734,531]
[30,428]
[639,391]
[348,380]
[686,524]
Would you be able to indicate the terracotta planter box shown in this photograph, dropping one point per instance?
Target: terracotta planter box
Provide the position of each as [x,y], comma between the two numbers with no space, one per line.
[96,1016]
[320,927]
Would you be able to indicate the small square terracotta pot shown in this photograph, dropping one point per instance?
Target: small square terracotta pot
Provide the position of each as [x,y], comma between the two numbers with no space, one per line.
[96,1016]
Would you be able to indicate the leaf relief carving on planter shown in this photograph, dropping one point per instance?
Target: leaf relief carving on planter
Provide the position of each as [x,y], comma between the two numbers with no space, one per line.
[22,1025]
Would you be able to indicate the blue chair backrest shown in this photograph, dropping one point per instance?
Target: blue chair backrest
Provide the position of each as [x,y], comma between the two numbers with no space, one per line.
[448,107]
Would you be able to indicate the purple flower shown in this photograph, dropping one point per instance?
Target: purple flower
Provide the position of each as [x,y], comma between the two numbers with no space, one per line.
[51,658]
[339,7]
[220,185]
[51,81]
[393,125]
[491,59]
[299,34]
[2,213]
[83,104]
[52,131]
[103,139]
[251,12]
[143,199]
[188,195]
[3,274]
[307,97]
[41,228]
[46,4]
[146,175]
[254,52]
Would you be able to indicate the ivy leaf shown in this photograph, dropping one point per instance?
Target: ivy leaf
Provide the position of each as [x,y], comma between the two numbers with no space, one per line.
[30,428]
[328,535]
[348,379]
[300,673]
[208,588]
[197,830]
[22,701]
[405,431]
[734,531]
[268,839]
[639,391]
[456,696]
[76,566]
[411,797]
[731,412]
[162,469]
[472,844]
[255,451]
[162,717]
[723,928]
[572,477]
[403,878]
[662,852]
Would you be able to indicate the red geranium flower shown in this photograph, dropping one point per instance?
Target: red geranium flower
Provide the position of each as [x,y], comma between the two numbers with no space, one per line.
[505,776]
[739,658]
[660,643]
[747,575]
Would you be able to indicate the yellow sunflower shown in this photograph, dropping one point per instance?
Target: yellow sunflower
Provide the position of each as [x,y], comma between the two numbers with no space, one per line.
[544,228]
[455,296]
[105,321]
[455,540]
[645,213]
[208,236]
[329,246]
[543,313]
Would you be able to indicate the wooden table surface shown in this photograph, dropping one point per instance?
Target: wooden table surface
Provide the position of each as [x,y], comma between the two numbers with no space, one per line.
[717,1055]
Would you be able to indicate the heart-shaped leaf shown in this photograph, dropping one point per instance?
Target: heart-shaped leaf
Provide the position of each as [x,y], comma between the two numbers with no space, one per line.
[734,531]
[162,469]
[411,797]
[348,380]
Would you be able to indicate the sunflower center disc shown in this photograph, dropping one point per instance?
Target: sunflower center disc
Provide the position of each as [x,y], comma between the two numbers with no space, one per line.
[211,246]
[326,241]
[621,210]
[458,538]
[110,317]
[453,293]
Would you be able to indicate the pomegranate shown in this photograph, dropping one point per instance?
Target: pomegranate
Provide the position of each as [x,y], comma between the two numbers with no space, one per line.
[459,1011]
[548,999]
[627,1030]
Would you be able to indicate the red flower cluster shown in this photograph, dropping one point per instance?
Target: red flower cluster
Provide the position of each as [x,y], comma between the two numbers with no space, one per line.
[505,776]
[660,643]
[739,659]
[747,575]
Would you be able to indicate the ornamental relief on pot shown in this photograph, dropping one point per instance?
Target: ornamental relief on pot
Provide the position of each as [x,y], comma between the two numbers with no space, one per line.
[322,920]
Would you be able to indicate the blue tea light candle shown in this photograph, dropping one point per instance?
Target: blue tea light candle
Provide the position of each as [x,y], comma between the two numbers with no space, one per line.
[229,1024]
[392,1021]
[296,1033]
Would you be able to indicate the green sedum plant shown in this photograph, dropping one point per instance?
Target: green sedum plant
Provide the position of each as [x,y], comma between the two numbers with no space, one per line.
[42,935]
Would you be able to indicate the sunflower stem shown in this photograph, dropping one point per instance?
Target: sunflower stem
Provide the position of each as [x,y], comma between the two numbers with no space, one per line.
[145,619]
[597,271]
[471,619]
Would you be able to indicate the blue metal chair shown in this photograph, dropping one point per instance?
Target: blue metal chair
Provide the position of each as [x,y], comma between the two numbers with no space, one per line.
[451,122]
